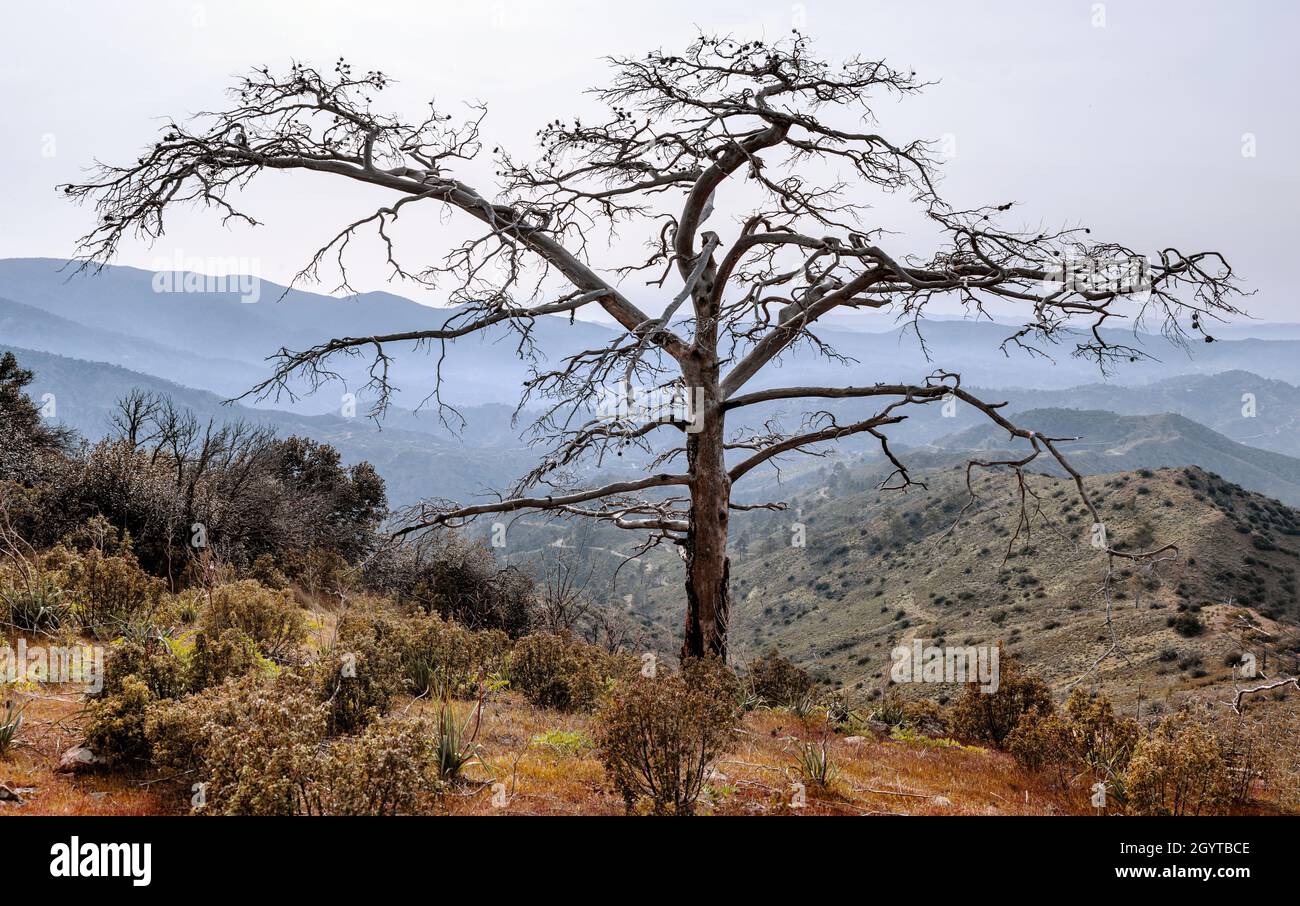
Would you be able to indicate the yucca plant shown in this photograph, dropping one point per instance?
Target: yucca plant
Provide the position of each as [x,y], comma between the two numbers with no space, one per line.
[815,765]
[422,676]
[890,711]
[33,605]
[187,610]
[456,745]
[804,706]
[11,723]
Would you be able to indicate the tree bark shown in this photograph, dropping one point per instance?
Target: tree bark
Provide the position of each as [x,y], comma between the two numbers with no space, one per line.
[708,600]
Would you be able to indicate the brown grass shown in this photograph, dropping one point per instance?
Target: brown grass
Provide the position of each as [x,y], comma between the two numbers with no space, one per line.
[874,776]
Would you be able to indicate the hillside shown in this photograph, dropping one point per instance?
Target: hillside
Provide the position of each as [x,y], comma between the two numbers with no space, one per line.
[1217,401]
[880,569]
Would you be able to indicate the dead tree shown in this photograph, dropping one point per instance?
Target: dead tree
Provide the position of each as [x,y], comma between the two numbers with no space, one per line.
[779,152]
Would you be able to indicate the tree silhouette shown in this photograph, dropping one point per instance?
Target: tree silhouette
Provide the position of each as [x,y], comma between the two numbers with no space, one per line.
[773,147]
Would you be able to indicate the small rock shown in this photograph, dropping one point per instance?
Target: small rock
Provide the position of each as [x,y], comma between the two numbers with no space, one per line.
[854,740]
[78,758]
[943,801]
[879,727]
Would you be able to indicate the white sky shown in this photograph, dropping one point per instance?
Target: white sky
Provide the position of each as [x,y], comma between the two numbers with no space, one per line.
[1134,128]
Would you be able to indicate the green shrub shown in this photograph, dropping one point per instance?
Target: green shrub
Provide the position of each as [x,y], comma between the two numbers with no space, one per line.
[1085,739]
[265,571]
[988,718]
[253,743]
[272,619]
[215,659]
[657,736]
[388,770]
[561,672]
[116,726]
[364,668]
[441,652]
[258,746]
[107,592]
[152,662]
[1187,624]
[777,680]
[1179,770]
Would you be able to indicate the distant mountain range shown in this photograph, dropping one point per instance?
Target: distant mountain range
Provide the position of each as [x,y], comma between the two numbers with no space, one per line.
[92,337]
[1113,443]
[229,341]
[415,464]
[224,342]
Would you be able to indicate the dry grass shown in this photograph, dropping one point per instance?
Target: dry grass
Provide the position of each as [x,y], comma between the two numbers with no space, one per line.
[873,776]
[52,724]
[756,777]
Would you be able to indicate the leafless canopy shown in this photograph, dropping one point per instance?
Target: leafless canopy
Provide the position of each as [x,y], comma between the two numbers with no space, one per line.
[778,151]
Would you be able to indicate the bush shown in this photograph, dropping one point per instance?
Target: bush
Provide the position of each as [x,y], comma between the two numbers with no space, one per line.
[259,747]
[364,669]
[1087,737]
[274,622]
[989,718]
[440,652]
[1178,770]
[215,659]
[456,579]
[1187,624]
[253,743]
[265,571]
[777,680]
[107,592]
[388,770]
[657,736]
[561,672]
[152,662]
[116,728]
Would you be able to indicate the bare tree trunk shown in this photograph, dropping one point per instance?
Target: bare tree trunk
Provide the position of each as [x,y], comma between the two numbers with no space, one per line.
[708,600]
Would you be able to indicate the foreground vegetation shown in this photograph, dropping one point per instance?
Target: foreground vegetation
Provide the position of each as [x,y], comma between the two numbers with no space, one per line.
[268,654]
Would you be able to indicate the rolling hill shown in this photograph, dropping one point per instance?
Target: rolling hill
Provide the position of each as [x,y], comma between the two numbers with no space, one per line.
[882,568]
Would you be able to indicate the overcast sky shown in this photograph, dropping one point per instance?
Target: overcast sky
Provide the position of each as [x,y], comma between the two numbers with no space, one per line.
[1129,116]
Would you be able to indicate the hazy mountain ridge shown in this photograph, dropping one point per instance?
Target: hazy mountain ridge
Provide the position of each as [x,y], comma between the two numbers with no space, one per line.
[415,464]
[483,369]
[1108,442]
[487,369]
